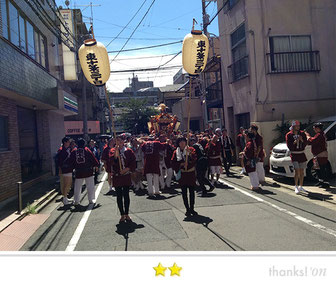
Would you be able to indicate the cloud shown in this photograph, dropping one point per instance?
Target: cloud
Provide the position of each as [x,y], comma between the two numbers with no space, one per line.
[119,81]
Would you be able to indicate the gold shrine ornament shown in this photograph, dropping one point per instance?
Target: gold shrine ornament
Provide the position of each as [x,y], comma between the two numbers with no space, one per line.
[195,52]
[95,62]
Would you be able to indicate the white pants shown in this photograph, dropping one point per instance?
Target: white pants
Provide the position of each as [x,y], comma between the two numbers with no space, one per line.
[215,170]
[89,187]
[254,179]
[260,171]
[162,176]
[169,177]
[153,183]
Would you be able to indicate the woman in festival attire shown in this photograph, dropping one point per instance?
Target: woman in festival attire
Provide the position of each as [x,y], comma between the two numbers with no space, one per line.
[249,159]
[186,176]
[213,150]
[121,174]
[106,160]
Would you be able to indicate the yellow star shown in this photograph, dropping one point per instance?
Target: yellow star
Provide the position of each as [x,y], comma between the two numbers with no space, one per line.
[160,270]
[175,270]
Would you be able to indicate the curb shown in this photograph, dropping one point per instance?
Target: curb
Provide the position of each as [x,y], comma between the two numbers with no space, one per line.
[41,203]
[286,187]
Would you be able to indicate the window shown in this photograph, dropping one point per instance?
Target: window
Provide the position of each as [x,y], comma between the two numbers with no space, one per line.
[22,33]
[331,134]
[239,68]
[13,24]
[22,27]
[30,40]
[232,3]
[292,54]
[3,133]
[4,18]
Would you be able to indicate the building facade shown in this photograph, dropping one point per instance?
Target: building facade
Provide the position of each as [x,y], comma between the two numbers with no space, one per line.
[277,62]
[33,102]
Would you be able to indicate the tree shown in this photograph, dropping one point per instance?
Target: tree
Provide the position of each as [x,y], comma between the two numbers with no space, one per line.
[136,115]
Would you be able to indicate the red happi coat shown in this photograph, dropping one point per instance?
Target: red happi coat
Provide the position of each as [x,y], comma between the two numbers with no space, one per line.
[319,144]
[188,178]
[168,155]
[260,143]
[105,158]
[128,160]
[151,150]
[249,154]
[63,154]
[297,153]
[213,151]
[83,161]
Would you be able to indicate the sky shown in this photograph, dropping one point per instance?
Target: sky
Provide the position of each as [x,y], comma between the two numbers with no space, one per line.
[167,21]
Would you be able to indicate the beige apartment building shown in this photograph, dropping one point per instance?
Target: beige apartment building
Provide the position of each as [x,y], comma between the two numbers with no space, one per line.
[278,62]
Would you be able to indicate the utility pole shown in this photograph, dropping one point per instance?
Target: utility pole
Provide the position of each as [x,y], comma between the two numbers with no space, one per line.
[203,88]
[85,127]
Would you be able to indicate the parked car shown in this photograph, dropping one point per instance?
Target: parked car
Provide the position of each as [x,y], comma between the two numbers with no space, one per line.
[280,161]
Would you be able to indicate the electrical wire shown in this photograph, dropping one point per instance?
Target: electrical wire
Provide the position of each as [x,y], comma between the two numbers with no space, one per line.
[134,31]
[145,57]
[147,47]
[143,3]
[145,69]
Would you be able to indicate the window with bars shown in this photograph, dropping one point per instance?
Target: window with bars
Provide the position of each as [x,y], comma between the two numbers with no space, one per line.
[292,53]
[239,67]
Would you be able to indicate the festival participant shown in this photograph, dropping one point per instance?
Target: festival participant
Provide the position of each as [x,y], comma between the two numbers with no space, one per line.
[187,179]
[65,171]
[167,159]
[260,154]
[213,150]
[201,166]
[249,159]
[106,161]
[84,162]
[122,175]
[151,150]
[137,174]
[296,142]
[319,150]
[94,149]
[162,165]
[227,151]
[240,143]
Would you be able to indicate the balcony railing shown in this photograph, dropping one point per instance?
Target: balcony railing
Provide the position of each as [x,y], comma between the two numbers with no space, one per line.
[293,62]
[214,92]
[238,69]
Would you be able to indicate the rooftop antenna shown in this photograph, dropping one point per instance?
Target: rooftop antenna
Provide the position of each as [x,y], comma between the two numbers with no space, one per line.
[91,18]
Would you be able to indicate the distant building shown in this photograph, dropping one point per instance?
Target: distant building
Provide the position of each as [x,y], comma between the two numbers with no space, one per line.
[171,94]
[136,85]
[180,77]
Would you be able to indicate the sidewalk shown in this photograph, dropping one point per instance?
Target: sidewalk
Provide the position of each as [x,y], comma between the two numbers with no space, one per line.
[9,207]
[287,183]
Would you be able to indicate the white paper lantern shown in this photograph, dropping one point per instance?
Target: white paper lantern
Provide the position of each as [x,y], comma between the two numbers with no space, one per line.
[195,52]
[94,62]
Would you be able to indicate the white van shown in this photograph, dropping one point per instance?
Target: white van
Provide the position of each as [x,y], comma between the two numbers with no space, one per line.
[280,161]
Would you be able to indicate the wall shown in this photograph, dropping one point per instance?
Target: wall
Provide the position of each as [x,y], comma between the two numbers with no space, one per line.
[10,170]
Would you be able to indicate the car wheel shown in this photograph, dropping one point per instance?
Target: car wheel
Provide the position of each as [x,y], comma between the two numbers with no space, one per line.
[311,173]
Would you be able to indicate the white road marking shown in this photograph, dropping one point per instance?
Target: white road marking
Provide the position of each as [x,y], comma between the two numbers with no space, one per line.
[79,230]
[298,217]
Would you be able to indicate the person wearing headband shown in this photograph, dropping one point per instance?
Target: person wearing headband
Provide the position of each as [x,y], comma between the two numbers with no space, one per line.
[296,142]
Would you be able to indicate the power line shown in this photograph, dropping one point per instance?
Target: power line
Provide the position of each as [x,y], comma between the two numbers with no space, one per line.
[139,38]
[147,47]
[143,3]
[145,57]
[134,30]
[145,69]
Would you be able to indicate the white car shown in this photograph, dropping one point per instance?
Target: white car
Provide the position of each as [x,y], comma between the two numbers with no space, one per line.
[280,161]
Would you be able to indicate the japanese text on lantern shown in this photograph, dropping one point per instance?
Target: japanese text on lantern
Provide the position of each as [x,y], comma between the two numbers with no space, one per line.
[94,69]
[200,56]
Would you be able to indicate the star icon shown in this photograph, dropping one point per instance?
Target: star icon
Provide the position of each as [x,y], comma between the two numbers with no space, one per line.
[160,270]
[175,270]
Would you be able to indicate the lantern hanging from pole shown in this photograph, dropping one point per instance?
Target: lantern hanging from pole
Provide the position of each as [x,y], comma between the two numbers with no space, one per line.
[94,62]
[195,52]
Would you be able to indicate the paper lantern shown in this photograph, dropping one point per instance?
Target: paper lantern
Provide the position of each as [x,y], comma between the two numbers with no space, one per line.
[94,62]
[195,52]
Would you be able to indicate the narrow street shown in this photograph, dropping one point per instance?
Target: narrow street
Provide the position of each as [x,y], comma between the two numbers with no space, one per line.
[232,218]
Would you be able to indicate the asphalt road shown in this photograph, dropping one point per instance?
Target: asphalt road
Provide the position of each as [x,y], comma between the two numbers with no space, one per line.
[232,218]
